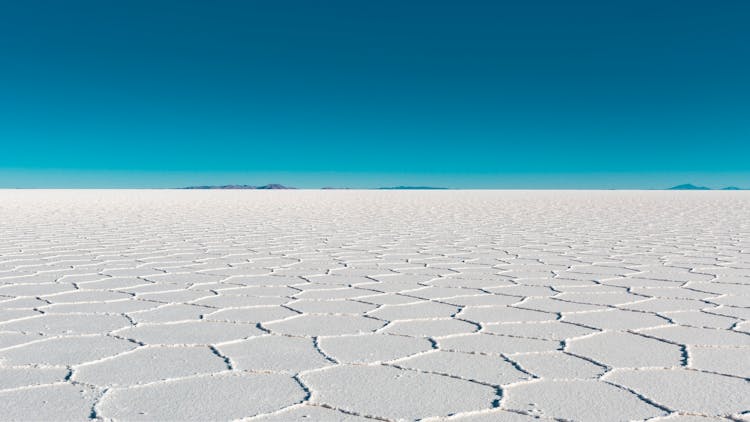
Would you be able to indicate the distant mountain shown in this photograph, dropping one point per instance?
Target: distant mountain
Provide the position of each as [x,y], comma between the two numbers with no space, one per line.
[271,186]
[411,188]
[688,186]
[275,186]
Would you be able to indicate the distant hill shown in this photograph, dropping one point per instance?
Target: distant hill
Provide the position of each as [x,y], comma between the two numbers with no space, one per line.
[411,188]
[275,186]
[688,186]
[270,186]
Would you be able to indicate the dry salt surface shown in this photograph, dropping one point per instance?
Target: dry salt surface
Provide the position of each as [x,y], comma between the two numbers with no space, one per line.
[356,305]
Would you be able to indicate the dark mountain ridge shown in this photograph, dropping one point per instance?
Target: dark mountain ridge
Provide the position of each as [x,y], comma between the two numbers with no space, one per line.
[689,186]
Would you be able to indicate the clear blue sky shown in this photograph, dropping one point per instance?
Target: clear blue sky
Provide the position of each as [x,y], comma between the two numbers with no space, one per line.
[355,93]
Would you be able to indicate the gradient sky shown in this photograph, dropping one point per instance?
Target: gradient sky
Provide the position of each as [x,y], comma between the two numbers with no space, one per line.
[486,94]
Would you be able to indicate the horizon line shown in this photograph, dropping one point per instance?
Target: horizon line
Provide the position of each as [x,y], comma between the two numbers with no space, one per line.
[728,188]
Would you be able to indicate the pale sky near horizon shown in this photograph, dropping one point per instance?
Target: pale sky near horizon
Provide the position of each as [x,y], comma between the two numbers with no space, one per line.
[484,94]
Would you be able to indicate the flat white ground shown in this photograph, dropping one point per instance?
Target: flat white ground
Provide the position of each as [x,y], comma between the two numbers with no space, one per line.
[349,305]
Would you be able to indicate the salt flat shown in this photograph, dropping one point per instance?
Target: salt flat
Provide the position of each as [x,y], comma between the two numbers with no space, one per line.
[355,305]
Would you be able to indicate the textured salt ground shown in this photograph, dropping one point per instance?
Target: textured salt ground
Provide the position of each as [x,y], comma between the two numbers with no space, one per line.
[362,305]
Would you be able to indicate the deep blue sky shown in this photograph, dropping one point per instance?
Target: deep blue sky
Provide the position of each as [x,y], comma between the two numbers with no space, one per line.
[371,93]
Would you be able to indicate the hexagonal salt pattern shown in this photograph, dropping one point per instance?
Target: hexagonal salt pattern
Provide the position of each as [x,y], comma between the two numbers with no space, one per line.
[371,305]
